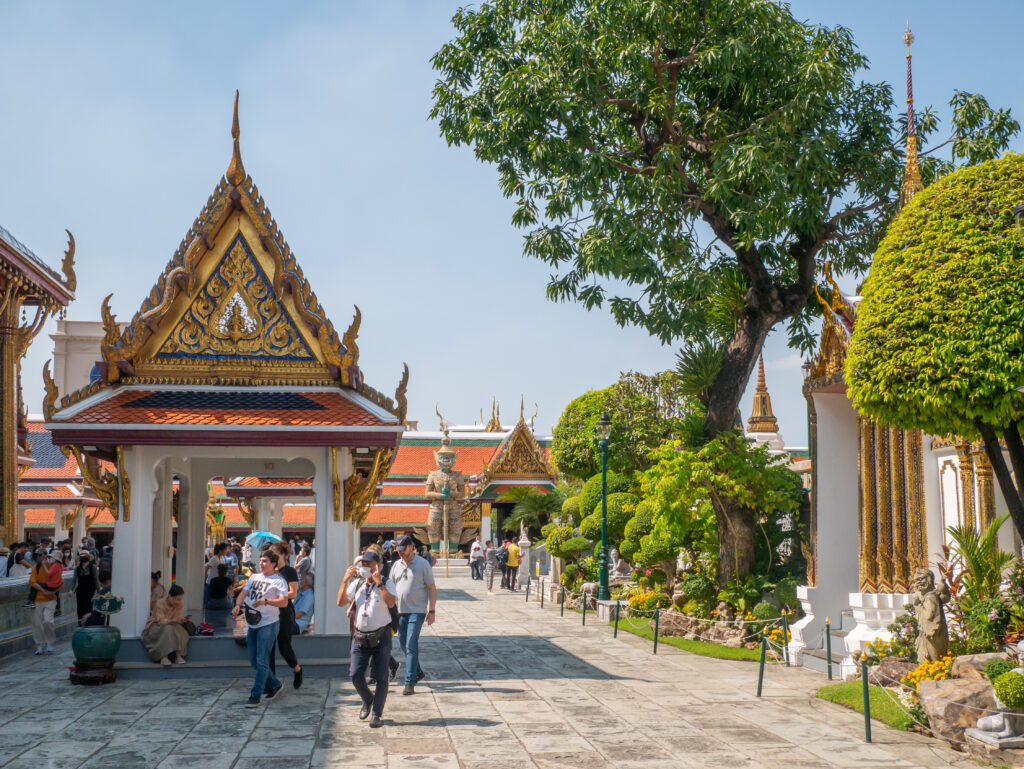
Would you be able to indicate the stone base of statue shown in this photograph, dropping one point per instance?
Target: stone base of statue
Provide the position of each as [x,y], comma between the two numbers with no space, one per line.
[1002,731]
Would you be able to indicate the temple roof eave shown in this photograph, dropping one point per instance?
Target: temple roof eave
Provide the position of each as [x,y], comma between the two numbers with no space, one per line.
[34,270]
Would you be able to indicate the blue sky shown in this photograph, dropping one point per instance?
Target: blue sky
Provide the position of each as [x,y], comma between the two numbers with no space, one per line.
[114,123]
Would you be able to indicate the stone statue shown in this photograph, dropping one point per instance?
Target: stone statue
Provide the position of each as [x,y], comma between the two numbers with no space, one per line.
[1004,729]
[446,490]
[932,634]
[618,568]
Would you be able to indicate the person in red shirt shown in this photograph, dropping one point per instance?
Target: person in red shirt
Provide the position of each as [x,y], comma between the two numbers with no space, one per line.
[47,572]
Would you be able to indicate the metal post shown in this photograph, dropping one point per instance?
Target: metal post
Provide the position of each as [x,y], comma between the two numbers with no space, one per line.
[657,617]
[527,588]
[867,701]
[602,592]
[542,591]
[615,633]
[584,607]
[760,672]
[785,637]
[561,603]
[828,646]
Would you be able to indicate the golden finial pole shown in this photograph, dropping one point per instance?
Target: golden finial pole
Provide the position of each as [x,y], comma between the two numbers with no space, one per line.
[236,172]
[912,183]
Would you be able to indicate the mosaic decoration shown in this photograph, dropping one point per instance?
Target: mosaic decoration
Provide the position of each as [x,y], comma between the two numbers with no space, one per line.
[236,315]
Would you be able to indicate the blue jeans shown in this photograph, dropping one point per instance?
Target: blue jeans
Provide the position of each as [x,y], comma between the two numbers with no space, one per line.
[409,627]
[260,641]
[377,660]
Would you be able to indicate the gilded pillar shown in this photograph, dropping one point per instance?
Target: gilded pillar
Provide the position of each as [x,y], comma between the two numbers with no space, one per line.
[986,490]
[868,520]
[9,359]
[914,469]
[963,454]
[886,572]
[897,465]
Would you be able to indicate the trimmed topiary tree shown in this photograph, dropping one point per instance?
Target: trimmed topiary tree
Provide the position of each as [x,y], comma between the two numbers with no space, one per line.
[1010,690]
[938,343]
[556,539]
[590,496]
[765,611]
[785,592]
[699,588]
[571,510]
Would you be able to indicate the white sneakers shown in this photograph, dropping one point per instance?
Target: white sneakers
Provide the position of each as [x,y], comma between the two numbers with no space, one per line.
[39,650]
[50,649]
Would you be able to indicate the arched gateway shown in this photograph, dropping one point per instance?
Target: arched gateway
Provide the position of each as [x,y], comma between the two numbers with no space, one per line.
[230,368]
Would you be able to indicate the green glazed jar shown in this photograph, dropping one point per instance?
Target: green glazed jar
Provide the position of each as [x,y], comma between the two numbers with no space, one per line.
[95,644]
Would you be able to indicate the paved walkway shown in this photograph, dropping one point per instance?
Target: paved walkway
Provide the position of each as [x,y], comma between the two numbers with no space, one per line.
[511,687]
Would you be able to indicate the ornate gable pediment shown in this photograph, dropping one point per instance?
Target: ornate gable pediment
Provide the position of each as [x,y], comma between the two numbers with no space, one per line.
[520,456]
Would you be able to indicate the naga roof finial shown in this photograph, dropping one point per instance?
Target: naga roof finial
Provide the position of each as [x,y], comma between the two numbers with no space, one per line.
[236,172]
[912,183]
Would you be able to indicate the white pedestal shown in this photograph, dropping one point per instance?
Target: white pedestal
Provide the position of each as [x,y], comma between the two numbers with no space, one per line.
[524,560]
[872,612]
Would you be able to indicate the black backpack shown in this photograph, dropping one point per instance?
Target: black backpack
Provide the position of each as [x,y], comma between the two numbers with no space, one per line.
[502,556]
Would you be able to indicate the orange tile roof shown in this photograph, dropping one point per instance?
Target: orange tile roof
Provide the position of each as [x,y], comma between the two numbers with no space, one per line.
[39,517]
[381,515]
[242,407]
[269,482]
[389,490]
[419,460]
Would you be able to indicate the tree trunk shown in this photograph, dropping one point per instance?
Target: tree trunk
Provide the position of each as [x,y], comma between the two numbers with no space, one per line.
[1010,490]
[736,539]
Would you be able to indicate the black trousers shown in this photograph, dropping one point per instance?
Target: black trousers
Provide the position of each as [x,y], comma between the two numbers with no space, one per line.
[377,660]
[284,641]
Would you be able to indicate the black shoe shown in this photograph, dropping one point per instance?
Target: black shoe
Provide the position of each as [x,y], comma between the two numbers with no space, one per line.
[393,667]
[271,693]
[364,711]
[30,605]
[420,676]
[297,681]
[409,689]
[375,722]
[254,702]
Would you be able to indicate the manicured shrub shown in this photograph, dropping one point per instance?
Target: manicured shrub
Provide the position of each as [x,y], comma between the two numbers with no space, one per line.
[571,510]
[627,548]
[642,522]
[547,528]
[574,547]
[1010,690]
[590,527]
[657,577]
[649,601]
[655,550]
[699,588]
[556,540]
[785,593]
[765,611]
[996,667]
[590,496]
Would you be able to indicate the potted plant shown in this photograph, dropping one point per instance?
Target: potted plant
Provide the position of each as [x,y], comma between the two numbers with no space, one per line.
[96,646]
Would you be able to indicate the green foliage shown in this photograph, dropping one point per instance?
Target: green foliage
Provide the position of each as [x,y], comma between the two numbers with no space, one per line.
[644,410]
[571,511]
[569,575]
[883,708]
[785,592]
[655,550]
[743,594]
[658,577]
[976,554]
[590,496]
[699,588]
[547,528]
[532,509]
[628,548]
[939,343]
[996,667]
[1010,690]
[590,527]
[575,547]
[986,622]
[642,522]
[765,611]
[557,539]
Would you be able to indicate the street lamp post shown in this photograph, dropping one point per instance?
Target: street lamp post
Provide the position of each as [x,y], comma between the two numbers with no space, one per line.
[604,428]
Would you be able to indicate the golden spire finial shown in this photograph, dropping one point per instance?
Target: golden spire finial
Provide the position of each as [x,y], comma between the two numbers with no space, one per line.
[912,183]
[236,172]
[522,408]
[762,420]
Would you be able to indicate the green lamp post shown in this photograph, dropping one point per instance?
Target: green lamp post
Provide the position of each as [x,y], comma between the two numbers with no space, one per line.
[604,428]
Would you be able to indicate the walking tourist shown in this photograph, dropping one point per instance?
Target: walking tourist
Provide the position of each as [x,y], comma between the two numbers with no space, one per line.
[86,583]
[287,618]
[512,564]
[416,600]
[43,632]
[262,597]
[165,636]
[370,598]
[476,559]
[304,603]
[490,561]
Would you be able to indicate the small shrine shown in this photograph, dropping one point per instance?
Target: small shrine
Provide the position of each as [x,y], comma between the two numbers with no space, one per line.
[229,369]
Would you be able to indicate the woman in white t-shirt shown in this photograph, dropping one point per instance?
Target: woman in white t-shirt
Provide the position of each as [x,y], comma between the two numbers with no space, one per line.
[476,559]
[262,599]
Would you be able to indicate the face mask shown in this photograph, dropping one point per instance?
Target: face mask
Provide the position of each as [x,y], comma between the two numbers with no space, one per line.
[364,571]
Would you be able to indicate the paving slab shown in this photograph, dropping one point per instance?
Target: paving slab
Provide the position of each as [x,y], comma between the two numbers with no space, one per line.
[509,686]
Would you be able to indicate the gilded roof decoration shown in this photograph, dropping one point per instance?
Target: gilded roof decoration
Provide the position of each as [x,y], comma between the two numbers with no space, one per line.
[519,456]
[840,315]
[762,420]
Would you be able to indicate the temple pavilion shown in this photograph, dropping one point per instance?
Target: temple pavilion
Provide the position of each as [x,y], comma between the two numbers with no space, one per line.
[893,492]
[30,294]
[230,368]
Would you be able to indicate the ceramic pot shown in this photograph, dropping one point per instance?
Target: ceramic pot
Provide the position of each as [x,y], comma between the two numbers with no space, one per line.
[95,644]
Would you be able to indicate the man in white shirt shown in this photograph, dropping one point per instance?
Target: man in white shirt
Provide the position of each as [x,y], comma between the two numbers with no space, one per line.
[476,559]
[372,598]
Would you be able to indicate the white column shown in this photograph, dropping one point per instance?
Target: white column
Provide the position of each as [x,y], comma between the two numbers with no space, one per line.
[59,532]
[133,547]
[272,515]
[20,524]
[334,543]
[524,558]
[162,524]
[485,522]
[191,538]
[78,529]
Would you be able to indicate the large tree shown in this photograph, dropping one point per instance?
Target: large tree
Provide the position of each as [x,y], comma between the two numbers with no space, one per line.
[939,341]
[691,164]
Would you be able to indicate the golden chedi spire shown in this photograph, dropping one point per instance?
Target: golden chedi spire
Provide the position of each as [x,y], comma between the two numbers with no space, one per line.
[762,420]
[912,183]
[236,171]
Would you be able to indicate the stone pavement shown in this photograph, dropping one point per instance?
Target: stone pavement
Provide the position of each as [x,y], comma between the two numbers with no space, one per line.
[511,687]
